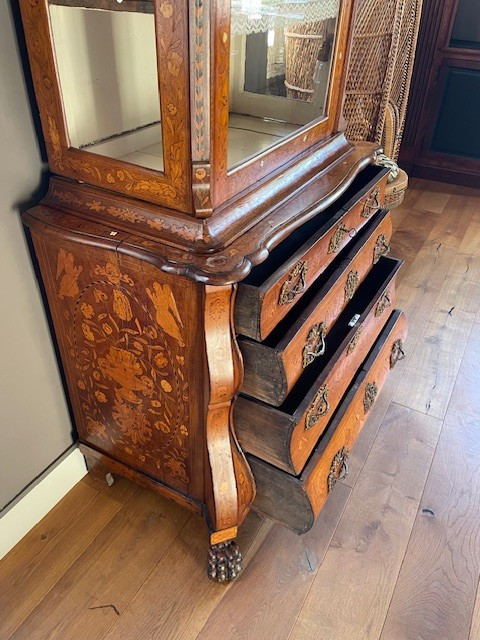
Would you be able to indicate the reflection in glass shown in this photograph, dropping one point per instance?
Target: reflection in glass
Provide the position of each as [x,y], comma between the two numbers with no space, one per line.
[466,29]
[107,65]
[281,54]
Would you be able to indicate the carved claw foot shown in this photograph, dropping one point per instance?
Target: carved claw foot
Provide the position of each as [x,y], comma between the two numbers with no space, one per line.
[224,561]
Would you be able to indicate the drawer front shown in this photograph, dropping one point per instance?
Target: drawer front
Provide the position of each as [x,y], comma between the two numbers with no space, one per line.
[272,370]
[260,308]
[297,501]
[285,437]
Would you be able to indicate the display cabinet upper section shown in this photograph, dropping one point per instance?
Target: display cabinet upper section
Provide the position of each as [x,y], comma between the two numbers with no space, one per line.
[186,104]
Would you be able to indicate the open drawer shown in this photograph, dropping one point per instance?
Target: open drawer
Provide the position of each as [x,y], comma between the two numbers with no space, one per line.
[273,287]
[296,501]
[272,367]
[286,436]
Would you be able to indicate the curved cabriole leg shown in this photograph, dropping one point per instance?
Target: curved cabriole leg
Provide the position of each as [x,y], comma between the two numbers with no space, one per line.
[230,484]
[224,561]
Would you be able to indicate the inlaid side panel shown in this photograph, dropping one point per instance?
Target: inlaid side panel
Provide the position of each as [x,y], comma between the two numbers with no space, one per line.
[131,350]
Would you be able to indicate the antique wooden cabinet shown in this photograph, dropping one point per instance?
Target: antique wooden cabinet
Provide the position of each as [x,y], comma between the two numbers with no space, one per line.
[209,232]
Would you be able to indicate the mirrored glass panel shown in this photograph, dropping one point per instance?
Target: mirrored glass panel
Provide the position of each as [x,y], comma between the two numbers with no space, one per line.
[107,65]
[280,68]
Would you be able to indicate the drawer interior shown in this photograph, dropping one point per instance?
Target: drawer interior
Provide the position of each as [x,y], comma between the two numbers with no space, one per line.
[315,227]
[340,261]
[365,297]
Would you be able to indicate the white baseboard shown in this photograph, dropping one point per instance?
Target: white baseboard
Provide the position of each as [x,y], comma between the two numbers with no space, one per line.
[40,499]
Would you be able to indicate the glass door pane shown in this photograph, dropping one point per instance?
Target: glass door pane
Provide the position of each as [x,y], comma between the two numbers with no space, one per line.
[466,29]
[280,67]
[107,65]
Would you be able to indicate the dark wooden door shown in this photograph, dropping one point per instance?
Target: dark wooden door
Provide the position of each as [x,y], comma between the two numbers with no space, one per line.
[442,133]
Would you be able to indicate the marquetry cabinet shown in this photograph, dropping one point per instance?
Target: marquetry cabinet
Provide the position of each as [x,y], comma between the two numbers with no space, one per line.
[214,250]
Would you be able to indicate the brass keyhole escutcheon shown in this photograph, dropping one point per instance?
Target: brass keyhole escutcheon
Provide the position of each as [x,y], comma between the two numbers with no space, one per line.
[383,303]
[338,468]
[397,353]
[337,238]
[382,248]
[351,285]
[295,284]
[319,407]
[315,345]
[372,204]
[354,341]
[371,391]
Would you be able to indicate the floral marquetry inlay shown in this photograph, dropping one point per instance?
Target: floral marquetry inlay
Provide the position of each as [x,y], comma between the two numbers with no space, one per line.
[128,345]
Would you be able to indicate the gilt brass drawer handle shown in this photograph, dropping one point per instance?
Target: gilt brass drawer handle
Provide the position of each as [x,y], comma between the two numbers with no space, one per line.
[371,391]
[319,407]
[298,278]
[315,345]
[397,353]
[338,236]
[354,341]
[372,204]
[383,303]
[351,285]
[338,468]
[381,248]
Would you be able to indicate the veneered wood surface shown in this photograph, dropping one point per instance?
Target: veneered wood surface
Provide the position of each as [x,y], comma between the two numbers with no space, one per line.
[280,437]
[296,502]
[285,558]
[272,370]
[318,253]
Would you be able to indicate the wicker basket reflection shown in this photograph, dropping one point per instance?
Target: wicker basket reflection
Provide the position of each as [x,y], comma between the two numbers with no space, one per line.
[302,48]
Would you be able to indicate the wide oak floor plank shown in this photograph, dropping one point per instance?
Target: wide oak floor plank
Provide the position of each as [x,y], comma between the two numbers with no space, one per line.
[91,595]
[39,560]
[352,590]
[178,597]
[435,594]
[267,601]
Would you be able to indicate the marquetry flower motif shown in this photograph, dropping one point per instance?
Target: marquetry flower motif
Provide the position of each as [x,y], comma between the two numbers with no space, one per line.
[96,428]
[100,396]
[172,109]
[87,310]
[107,329]
[166,10]
[132,421]
[87,332]
[95,205]
[183,430]
[81,384]
[100,296]
[113,274]
[121,306]
[123,367]
[160,360]
[174,63]
[176,465]
[166,386]
[162,426]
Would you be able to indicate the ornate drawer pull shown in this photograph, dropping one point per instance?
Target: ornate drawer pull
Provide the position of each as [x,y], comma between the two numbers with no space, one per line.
[318,408]
[397,353]
[299,276]
[371,391]
[351,285]
[382,304]
[372,203]
[336,239]
[354,341]
[315,345]
[338,468]
[381,248]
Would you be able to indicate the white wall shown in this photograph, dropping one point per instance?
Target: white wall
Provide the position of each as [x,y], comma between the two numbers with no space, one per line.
[34,422]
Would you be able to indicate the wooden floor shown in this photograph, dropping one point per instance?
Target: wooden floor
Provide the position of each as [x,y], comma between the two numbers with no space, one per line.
[395,555]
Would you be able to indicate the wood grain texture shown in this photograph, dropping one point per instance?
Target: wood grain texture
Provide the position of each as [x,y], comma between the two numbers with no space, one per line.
[177,597]
[276,581]
[371,538]
[435,594]
[47,552]
[99,585]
